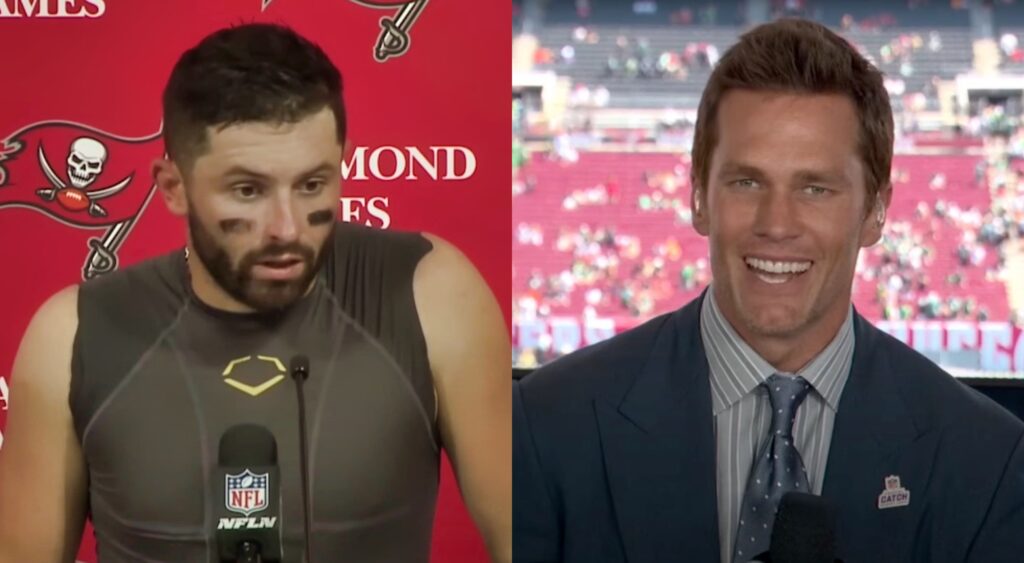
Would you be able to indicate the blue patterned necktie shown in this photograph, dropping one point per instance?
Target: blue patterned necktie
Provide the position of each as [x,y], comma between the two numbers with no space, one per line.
[778,469]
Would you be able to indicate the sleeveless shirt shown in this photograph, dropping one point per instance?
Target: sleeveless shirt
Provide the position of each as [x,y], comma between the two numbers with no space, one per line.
[158,376]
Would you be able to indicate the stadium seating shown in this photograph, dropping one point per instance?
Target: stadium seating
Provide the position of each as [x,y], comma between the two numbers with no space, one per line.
[543,209]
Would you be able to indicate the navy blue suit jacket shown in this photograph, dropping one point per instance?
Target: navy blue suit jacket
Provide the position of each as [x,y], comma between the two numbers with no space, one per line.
[614,456]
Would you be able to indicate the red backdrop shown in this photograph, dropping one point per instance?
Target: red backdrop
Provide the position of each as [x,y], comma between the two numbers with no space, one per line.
[97,68]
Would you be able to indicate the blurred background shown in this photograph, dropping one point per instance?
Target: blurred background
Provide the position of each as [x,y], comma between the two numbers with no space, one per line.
[604,97]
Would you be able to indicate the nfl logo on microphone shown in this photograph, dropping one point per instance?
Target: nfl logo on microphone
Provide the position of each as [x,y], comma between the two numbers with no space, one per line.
[247,492]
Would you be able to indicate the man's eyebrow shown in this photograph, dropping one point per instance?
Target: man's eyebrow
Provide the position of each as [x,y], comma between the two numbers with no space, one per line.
[238,170]
[802,176]
[740,168]
[322,168]
[243,171]
[825,176]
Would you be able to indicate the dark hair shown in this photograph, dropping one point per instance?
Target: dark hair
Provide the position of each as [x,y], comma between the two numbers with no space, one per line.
[794,55]
[252,72]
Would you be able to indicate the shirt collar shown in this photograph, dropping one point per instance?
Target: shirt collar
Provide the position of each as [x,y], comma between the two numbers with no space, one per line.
[736,369]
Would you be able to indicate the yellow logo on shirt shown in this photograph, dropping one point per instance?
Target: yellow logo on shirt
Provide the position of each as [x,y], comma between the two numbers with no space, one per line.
[233,372]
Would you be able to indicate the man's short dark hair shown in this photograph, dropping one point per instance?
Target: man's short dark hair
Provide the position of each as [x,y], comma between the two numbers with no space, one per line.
[248,73]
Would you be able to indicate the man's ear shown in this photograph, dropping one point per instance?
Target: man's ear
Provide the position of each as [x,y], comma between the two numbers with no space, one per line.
[874,221]
[169,181]
[699,205]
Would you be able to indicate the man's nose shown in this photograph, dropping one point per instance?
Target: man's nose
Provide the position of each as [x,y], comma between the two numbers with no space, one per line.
[282,221]
[777,216]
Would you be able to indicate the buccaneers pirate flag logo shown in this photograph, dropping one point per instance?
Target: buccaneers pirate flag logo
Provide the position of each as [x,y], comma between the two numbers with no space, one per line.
[82,177]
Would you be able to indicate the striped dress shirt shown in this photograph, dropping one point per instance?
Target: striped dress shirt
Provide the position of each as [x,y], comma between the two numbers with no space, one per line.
[742,409]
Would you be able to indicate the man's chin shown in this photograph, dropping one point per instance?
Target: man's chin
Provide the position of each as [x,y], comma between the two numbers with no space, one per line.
[273,296]
[775,322]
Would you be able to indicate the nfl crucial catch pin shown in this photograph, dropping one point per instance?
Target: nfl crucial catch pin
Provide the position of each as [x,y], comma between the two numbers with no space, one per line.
[247,492]
[894,494]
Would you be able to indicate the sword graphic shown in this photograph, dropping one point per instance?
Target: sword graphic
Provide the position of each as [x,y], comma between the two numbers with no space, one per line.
[49,193]
[107,192]
[394,35]
[102,258]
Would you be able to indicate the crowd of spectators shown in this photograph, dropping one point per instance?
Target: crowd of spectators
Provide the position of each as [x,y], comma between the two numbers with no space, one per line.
[936,261]
[611,272]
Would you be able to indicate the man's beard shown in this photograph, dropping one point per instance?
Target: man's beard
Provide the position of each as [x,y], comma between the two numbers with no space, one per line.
[260,295]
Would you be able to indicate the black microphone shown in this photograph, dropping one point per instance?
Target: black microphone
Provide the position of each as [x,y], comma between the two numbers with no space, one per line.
[300,372]
[804,531]
[246,478]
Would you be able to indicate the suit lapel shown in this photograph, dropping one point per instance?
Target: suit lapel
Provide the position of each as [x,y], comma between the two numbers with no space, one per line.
[659,450]
[875,437]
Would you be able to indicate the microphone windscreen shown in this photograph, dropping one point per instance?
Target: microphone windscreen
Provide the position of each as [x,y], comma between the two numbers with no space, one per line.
[247,444]
[805,530]
[246,500]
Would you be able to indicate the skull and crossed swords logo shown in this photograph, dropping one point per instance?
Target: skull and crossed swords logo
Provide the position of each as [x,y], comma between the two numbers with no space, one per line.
[78,190]
[84,165]
[393,40]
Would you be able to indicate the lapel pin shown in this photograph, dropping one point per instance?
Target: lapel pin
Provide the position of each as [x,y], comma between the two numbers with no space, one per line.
[894,494]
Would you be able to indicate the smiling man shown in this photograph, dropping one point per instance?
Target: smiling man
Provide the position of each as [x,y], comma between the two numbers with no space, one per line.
[676,441]
[124,385]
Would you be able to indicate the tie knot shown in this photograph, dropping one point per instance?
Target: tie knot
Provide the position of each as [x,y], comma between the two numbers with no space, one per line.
[786,394]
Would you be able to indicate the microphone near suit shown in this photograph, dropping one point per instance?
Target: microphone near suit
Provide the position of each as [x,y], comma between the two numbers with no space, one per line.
[804,531]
